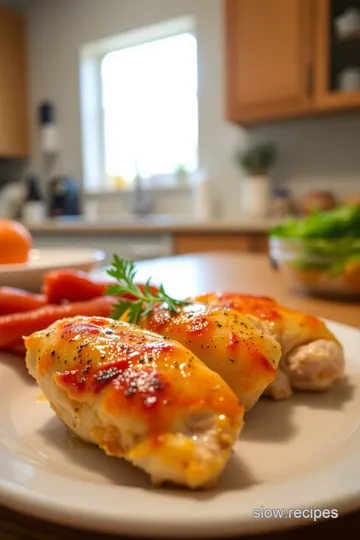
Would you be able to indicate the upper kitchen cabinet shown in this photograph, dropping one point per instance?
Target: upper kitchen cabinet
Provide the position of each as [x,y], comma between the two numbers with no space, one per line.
[268,58]
[13,85]
[337,55]
[289,58]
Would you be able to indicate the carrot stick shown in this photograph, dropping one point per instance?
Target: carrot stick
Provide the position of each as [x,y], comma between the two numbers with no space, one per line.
[17,348]
[76,286]
[71,286]
[14,327]
[14,300]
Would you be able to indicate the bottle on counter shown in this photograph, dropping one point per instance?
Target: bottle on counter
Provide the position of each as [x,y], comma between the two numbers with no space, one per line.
[281,203]
[34,206]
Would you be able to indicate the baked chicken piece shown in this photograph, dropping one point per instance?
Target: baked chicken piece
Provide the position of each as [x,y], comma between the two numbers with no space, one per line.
[237,347]
[137,396]
[312,357]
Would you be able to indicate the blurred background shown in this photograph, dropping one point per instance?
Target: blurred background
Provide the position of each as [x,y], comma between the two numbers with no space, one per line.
[168,126]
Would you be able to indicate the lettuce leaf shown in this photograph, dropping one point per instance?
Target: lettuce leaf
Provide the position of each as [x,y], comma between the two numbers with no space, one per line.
[341,222]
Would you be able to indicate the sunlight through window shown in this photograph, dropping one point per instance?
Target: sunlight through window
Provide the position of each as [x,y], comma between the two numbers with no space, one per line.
[150,108]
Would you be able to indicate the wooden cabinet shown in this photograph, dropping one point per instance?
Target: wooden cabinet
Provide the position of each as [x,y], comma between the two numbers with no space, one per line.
[284,59]
[213,241]
[268,58]
[334,56]
[13,85]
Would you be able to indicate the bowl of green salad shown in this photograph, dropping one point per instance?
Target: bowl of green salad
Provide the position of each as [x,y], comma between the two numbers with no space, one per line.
[320,253]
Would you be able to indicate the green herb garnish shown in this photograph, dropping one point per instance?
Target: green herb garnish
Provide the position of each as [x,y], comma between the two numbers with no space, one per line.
[144,299]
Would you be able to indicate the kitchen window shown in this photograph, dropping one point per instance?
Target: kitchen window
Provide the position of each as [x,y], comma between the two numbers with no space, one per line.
[141,117]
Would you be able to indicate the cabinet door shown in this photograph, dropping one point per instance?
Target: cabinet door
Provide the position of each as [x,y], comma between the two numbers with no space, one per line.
[13,87]
[203,242]
[337,60]
[268,58]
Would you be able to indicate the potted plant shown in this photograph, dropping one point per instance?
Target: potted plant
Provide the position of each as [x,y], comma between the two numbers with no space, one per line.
[257,160]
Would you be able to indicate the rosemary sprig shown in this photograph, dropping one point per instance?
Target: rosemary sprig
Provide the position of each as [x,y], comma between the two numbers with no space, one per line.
[144,300]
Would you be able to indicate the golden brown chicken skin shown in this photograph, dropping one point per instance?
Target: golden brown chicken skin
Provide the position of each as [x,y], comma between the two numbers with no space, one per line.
[237,347]
[138,396]
[312,357]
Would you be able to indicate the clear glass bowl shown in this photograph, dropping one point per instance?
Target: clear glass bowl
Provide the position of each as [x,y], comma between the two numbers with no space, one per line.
[321,266]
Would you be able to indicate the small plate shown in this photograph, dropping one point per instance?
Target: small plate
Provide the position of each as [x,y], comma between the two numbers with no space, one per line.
[295,454]
[29,275]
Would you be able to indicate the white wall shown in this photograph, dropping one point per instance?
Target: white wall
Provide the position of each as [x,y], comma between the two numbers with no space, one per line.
[319,153]
[324,152]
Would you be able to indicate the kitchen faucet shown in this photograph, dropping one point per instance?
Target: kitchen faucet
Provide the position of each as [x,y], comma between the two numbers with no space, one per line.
[142,200]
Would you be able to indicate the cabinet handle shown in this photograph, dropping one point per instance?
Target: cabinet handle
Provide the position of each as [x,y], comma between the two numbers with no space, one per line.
[309,79]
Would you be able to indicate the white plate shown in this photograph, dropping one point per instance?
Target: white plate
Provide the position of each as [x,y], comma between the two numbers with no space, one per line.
[29,275]
[301,453]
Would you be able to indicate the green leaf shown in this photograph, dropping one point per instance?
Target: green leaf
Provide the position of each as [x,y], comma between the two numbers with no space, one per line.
[120,308]
[258,158]
[124,272]
[340,222]
[135,312]
[147,287]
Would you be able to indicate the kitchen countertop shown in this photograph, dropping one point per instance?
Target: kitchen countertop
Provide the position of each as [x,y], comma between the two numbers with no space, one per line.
[204,272]
[161,223]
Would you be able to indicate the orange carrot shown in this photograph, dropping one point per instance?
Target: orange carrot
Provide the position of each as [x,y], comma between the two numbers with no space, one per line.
[14,327]
[76,286]
[17,301]
[71,286]
[17,348]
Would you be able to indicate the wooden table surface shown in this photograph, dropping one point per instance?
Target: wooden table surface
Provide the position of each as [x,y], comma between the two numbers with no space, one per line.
[187,275]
